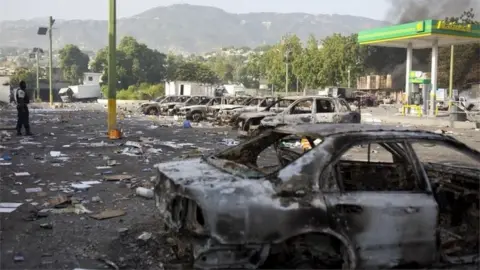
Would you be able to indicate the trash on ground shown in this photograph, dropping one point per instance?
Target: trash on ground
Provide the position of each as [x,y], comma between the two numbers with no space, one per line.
[144,192]
[33,190]
[76,208]
[118,177]
[59,201]
[22,174]
[106,214]
[145,236]
[8,207]
[103,167]
[80,186]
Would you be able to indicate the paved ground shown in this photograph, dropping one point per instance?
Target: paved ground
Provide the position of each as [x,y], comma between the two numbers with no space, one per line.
[63,239]
[69,240]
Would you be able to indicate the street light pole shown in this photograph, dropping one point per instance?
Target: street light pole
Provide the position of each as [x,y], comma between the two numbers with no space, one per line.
[38,80]
[50,59]
[286,78]
[349,77]
[112,70]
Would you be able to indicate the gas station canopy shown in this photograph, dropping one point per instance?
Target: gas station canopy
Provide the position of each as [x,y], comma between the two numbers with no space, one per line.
[421,35]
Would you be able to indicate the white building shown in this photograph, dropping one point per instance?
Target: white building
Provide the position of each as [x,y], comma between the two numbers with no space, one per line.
[91,78]
[234,89]
[182,88]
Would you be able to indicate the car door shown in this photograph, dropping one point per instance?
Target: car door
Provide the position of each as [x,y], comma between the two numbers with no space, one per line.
[383,206]
[300,112]
[325,111]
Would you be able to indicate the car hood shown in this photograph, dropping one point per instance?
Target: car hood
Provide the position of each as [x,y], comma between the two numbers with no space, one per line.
[227,106]
[193,107]
[247,115]
[226,201]
[170,104]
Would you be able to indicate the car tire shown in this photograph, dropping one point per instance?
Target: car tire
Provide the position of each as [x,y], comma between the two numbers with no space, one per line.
[152,111]
[196,117]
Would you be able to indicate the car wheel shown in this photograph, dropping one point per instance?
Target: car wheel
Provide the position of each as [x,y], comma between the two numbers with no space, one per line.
[196,116]
[152,111]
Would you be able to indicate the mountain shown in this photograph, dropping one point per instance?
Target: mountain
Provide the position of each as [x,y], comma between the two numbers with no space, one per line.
[185,28]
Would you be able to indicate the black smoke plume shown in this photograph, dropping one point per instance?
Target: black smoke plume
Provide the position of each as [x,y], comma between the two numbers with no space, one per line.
[405,11]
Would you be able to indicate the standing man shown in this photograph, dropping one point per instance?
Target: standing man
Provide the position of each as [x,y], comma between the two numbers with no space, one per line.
[22,100]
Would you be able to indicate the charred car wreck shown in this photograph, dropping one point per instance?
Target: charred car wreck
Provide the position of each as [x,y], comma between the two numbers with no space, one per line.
[321,208]
[301,110]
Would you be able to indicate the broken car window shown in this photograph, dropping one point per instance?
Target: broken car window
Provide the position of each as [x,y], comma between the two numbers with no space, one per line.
[325,106]
[375,168]
[263,155]
[344,106]
[303,107]
[437,153]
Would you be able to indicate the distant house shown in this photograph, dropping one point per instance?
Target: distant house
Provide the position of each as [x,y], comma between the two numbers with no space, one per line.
[183,88]
[90,78]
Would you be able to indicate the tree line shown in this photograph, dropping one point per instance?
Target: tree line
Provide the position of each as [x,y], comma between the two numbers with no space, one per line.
[332,61]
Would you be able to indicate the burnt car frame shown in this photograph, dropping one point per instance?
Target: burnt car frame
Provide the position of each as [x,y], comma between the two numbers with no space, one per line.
[193,100]
[303,110]
[254,104]
[155,107]
[316,209]
[200,112]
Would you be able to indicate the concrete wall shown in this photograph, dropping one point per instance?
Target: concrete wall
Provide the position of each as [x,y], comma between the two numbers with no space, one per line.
[189,89]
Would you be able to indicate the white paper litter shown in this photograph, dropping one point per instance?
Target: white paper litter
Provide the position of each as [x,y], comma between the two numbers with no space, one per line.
[22,174]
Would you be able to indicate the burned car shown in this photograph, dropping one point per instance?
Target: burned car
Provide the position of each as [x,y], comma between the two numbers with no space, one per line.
[165,107]
[193,100]
[229,104]
[146,107]
[303,110]
[200,111]
[362,197]
[279,105]
[155,107]
[253,105]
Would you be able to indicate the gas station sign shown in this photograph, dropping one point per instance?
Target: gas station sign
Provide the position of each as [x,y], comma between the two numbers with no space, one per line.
[420,77]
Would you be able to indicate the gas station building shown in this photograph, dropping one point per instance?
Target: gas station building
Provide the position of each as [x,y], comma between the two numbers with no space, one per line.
[421,35]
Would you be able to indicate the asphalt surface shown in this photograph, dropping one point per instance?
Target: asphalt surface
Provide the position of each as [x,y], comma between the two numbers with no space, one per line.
[69,240]
[62,239]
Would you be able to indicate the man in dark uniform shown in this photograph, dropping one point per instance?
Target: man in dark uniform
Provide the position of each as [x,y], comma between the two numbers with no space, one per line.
[22,99]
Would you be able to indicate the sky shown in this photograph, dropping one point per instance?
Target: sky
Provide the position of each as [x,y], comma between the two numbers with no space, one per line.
[98,9]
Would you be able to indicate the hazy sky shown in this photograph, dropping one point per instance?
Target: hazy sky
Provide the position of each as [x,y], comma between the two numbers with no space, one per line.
[98,9]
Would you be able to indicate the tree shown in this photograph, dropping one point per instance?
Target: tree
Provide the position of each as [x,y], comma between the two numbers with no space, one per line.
[24,74]
[136,63]
[466,63]
[309,67]
[342,53]
[73,63]
[194,71]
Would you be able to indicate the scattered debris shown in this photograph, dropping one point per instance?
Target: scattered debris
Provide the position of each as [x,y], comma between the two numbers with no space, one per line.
[144,192]
[107,214]
[22,174]
[145,236]
[118,177]
[8,207]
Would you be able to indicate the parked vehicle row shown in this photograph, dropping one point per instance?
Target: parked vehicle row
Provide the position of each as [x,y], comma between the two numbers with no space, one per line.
[253,115]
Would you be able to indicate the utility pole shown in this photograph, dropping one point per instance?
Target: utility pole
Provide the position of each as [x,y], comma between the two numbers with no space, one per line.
[452,107]
[286,78]
[50,60]
[112,70]
[349,77]
[38,74]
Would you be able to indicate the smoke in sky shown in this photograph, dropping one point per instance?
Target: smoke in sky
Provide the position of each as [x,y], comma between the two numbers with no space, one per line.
[404,11]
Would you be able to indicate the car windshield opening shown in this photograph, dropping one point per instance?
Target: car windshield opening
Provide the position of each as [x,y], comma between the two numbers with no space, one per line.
[264,155]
